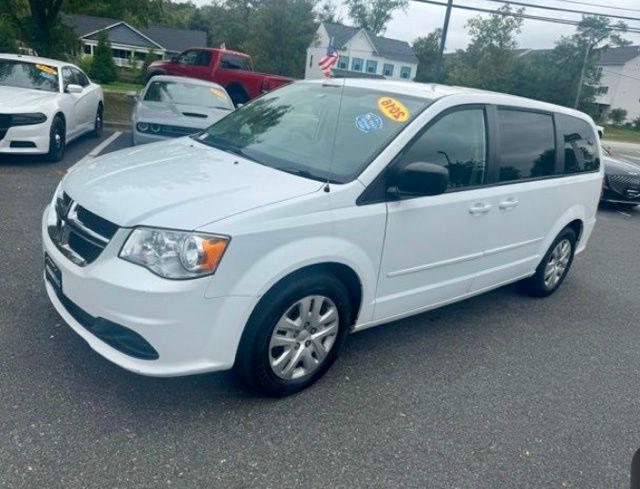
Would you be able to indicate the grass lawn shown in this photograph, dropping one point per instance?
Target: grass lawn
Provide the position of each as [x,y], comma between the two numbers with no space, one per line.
[617,133]
[121,87]
[118,107]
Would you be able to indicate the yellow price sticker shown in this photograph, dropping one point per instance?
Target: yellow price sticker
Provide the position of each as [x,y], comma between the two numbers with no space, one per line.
[47,69]
[393,109]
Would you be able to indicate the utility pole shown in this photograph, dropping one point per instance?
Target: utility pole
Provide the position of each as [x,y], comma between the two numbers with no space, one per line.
[443,40]
[587,50]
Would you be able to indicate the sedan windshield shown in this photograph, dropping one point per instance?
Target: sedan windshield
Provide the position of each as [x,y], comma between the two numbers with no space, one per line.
[322,131]
[187,94]
[28,75]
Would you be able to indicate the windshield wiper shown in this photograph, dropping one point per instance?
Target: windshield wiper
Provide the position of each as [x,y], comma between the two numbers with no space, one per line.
[218,144]
[302,173]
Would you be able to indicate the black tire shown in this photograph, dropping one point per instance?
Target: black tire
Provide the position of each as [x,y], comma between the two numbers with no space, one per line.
[627,206]
[252,360]
[98,124]
[57,140]
[237,94]
[536,285]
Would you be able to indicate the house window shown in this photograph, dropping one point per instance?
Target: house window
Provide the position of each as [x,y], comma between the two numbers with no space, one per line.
[356,64]
[602,90]
[121,53]
[343,62]
[372,66]
[405,72]
[387,69]
[86,49]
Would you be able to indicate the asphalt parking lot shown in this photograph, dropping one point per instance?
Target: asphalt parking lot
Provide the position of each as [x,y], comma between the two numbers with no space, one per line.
[502,390]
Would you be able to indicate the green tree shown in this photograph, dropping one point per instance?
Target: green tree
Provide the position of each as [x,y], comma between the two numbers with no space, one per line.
[37,23]
[373,15]
[281,31]
[103,68]
[617,116]
[149,58]
[489,62]
[137,12]
[426,50]
[8,42]
[329,13]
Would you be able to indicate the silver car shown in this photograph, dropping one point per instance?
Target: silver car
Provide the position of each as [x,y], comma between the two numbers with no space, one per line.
[173,106]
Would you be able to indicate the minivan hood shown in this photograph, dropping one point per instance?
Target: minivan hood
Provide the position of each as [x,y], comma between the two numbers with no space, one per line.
[178,114]
[13,99]
[179,184]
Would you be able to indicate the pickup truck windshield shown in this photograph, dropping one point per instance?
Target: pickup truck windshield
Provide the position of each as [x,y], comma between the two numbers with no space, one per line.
[187,94]
[320,131]
[28,75]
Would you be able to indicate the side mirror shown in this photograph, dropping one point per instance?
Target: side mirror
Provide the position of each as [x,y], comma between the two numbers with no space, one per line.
[420,178]
[72,88]
[174,59]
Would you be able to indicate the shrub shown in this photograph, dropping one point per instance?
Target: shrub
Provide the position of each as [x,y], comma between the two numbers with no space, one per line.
[83,62]
[142,72]
[636,123]
[103,68]
[617,116]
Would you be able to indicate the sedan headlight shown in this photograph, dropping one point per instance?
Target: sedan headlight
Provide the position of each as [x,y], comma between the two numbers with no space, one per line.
[28,119]
[174,254]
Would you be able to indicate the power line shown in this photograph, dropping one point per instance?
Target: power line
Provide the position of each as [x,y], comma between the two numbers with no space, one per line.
[589,4]
[560,9]
[632,30]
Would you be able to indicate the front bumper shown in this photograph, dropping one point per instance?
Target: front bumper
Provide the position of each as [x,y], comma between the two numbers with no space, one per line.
[190,333]
[609,195]
[31,139]
[145,138]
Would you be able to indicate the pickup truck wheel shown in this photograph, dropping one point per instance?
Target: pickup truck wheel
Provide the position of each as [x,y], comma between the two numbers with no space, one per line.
[294,334]
[237,94]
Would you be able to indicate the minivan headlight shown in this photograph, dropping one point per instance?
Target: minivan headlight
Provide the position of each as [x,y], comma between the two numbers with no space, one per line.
[174,254]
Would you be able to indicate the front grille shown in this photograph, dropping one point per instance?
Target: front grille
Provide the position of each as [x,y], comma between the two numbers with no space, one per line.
[624,184]
[177,131]
[78,233]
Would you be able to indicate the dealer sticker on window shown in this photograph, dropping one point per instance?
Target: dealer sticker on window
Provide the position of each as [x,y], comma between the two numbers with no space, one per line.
[218,93]
[47,69]
[367,123]
[393,109]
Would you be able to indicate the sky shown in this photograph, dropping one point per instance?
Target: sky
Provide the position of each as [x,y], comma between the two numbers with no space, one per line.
[420,19]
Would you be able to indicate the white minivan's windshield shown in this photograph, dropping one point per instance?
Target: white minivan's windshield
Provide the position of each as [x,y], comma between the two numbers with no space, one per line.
[322,131]
[22,74]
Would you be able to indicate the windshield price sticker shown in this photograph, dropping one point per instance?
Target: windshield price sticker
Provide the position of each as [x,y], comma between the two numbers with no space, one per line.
[47,69]
[393,109]
[368,123]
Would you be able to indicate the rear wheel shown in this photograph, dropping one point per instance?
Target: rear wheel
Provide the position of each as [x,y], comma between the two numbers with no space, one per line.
[294,335]
[57,139]
[98,124]
[237,94]
[554,266]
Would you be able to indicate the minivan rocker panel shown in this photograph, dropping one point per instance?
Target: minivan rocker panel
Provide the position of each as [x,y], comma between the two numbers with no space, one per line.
[356,242]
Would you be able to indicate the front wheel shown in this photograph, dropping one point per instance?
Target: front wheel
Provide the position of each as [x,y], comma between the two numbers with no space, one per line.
[554,267]
[294,335]
[57,137]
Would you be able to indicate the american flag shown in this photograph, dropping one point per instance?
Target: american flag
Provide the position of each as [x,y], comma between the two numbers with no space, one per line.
[328,60]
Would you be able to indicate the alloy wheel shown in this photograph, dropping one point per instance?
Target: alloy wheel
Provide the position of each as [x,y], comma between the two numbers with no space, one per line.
[303,337]
[557,264]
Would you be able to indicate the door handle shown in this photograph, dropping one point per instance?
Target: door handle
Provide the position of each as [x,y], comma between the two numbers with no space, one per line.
[480,208]
[510,203]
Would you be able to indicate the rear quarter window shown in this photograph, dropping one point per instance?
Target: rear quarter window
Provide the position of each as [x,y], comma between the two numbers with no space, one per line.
[579,142]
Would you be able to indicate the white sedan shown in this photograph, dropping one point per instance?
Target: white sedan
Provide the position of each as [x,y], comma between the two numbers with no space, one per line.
[44,104]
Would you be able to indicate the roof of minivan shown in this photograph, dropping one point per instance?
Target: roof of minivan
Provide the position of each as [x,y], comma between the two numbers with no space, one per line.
[34,59]
[434,91]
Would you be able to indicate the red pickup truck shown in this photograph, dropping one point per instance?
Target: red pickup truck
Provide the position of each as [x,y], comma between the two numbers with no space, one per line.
[231,69]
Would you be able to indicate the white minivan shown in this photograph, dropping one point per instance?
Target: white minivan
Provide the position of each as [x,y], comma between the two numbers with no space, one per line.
[320,208]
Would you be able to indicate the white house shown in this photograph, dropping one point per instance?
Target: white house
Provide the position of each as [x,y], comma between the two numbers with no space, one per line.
[362,54]
[130,44]
[620,80]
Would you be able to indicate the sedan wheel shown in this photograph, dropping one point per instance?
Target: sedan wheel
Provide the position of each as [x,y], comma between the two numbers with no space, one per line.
[98,125]
[303,337]
[56,140]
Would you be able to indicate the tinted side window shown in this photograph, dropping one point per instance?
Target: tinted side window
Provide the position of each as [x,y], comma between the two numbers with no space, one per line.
[231,62]
[579,140]
[456,141]
[527,145]
[204,58]
[80,77]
